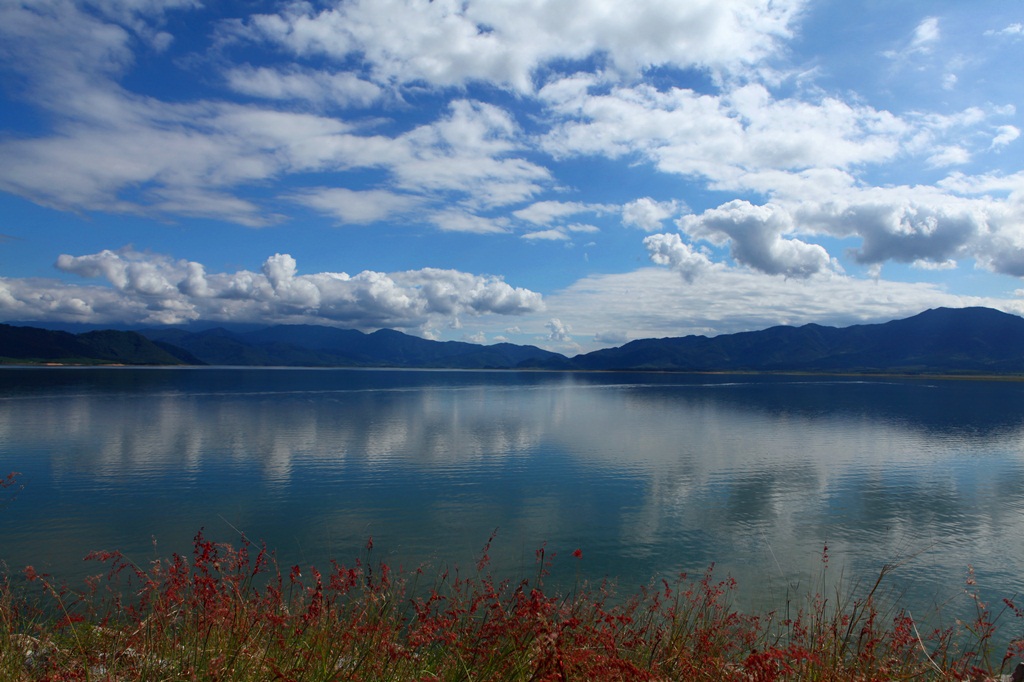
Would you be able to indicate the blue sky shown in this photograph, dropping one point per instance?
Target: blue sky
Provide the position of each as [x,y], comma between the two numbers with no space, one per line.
[572,174]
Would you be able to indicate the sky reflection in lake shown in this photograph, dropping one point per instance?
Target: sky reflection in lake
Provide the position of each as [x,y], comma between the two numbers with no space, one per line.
[649,474]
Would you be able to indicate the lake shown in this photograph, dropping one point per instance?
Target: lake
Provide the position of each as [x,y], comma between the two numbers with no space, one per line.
[648,474]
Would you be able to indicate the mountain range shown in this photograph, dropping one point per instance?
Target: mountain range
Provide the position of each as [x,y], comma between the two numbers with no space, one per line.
[939,341]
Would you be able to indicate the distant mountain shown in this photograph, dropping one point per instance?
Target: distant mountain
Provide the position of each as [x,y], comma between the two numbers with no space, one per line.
[941,341]
[34,345]
[316,346]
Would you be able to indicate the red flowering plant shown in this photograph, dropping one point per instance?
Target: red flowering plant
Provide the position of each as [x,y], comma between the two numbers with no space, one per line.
[229,612]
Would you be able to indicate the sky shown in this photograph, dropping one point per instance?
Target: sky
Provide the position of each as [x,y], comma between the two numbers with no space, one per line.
[571,174]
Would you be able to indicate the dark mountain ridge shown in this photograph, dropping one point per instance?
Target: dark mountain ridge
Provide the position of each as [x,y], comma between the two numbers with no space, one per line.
[316,346]
[941,340]
[938,341]
[34,345]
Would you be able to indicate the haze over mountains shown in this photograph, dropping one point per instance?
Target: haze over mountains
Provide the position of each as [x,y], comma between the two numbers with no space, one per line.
[942,341]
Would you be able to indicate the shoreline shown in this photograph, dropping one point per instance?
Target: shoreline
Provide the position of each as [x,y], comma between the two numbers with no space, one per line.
[966,376]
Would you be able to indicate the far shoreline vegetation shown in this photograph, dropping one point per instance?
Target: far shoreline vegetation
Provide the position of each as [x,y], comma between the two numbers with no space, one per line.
[231,613]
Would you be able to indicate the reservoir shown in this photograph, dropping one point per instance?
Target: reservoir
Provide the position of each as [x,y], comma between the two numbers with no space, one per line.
[648,474]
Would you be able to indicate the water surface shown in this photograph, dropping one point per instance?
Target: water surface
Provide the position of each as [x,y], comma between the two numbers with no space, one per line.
[648,474]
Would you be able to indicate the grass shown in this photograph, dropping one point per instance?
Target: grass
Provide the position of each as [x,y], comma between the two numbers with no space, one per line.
[229,612]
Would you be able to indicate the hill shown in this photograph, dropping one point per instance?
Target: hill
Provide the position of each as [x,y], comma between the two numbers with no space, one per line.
[316,346]
[940,341]
[34,345]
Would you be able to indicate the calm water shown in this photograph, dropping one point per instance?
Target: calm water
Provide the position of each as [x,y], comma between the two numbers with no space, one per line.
[648,474]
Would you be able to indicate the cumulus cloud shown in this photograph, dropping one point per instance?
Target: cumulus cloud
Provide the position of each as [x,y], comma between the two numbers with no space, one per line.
[670,250]
[559,331]
[903,224]
[648,214]
[960,218]
[148,288]
[754,234]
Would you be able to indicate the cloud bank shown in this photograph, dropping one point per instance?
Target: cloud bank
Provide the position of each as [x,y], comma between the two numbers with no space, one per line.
[155,289]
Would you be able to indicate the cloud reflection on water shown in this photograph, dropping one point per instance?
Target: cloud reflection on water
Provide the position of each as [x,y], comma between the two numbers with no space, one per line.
[649,473]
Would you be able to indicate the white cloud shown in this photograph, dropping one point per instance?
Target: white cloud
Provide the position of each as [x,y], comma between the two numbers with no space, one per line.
[921,42]
[949,156]
[469,151]
[456,220]
[1014,29]
[547,235]
[655,302]
[352,207]
[670,250]
[961,217]
[720,138]
[209,152]
[648,214]
[547,212]
[1004,136]
[754,237]
[926,34]
[148,288]
[904,224]
[205,154]
[452,43]
[98,153]
[342,89]
[980,185]
[559,331]
[930,265]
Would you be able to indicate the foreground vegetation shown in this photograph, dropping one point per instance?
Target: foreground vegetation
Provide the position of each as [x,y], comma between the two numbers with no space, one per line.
[230,613]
